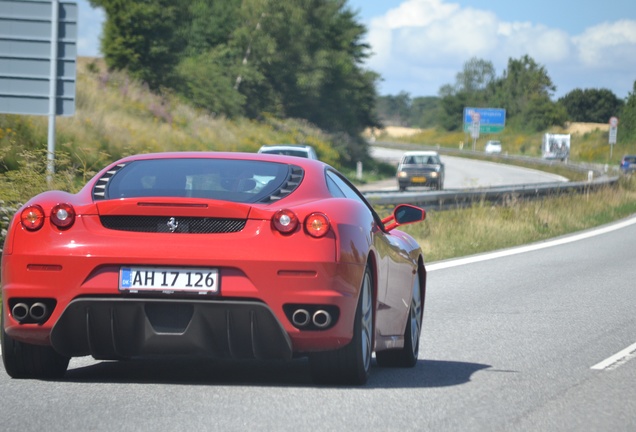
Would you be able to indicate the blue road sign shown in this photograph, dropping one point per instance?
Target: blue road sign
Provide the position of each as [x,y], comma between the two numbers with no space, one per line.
[491,120]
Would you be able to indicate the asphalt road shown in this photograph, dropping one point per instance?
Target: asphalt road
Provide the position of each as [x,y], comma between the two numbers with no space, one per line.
[462,173]
[508,344]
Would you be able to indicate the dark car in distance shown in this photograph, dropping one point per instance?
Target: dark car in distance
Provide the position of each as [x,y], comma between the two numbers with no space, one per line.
[628,164]
[420,168]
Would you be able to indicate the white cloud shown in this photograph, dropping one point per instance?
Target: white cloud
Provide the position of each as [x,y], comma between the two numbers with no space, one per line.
[422,44]
[608,45]
[544,45]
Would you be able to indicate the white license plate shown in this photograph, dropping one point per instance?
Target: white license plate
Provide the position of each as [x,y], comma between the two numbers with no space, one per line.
[169,279]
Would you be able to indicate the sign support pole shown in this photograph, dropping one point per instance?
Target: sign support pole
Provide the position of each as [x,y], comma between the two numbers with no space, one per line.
[613,122]
[55,9]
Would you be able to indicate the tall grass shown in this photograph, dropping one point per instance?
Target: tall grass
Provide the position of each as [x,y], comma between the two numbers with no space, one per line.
[485,227]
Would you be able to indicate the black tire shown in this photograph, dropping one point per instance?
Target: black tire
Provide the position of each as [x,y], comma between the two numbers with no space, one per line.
[350,365]
[407,356]
[23,360]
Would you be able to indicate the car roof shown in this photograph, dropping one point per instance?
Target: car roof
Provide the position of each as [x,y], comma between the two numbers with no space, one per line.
[223,155]
[283,146]
[421,153]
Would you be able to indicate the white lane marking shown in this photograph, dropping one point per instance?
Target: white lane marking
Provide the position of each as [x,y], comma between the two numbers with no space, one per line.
[529,248]
[617,359]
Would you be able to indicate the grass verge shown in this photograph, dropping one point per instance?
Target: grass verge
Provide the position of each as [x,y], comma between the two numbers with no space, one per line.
[485,227]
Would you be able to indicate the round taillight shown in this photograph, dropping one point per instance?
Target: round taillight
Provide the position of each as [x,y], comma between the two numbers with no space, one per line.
[317,225]
[63,216]
[285,221]
[32,217]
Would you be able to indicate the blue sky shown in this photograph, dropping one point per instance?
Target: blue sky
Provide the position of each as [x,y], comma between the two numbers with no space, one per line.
[420,45]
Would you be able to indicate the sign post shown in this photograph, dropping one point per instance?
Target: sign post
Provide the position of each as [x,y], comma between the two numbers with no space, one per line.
[613,131]
[476,125]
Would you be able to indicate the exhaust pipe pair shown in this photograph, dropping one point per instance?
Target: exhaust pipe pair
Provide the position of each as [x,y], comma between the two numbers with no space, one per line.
[320,318]
[22,311]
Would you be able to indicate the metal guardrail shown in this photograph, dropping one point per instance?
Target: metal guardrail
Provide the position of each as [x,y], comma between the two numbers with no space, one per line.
[456,198]
[453,198]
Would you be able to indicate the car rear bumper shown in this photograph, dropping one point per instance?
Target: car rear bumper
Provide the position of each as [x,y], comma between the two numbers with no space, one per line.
[108,328]
[428,181]
[252,306]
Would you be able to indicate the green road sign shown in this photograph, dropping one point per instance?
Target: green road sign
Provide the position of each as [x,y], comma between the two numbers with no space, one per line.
[484,128]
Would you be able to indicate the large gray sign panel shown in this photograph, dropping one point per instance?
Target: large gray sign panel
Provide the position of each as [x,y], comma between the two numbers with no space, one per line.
[26,55]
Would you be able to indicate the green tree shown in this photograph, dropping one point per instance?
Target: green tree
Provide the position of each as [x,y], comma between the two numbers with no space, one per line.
[394,110]
[523,81]
[476,76]
[308,57]
[208,24]
[627,126]
[471,88]
[452,108]
[424,112]
[142,37]
[207,80]
[525,91]
[591,105]
[540,114]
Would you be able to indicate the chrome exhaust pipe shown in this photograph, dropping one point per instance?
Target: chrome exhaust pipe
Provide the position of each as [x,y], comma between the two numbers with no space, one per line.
[321,318]
[300,318]
[20,311]
[37,311]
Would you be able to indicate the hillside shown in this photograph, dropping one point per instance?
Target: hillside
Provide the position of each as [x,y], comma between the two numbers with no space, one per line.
[116,116]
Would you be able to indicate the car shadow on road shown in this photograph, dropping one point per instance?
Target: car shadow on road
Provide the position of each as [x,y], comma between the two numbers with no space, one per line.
[425,374]
[295,373]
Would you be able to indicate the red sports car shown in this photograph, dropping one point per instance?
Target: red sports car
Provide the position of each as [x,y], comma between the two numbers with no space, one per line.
[224,255]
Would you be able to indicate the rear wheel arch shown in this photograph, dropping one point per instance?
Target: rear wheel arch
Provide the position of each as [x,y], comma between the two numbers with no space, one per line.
[373,266]
[407,356]
[421,273]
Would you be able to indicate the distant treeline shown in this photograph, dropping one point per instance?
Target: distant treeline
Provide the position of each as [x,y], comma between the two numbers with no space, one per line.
[524,90]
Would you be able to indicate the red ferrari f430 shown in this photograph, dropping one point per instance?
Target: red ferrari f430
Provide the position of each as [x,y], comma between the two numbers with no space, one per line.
[220,255]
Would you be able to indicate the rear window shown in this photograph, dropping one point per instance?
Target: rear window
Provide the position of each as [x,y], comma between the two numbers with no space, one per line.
[630,159]
[222,179]
[420,160]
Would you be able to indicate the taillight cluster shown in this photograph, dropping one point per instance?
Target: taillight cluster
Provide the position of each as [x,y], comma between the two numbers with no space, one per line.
[62,216]
[286,222]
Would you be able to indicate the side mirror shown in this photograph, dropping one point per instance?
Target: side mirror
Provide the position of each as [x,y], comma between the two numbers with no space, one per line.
[404,214]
